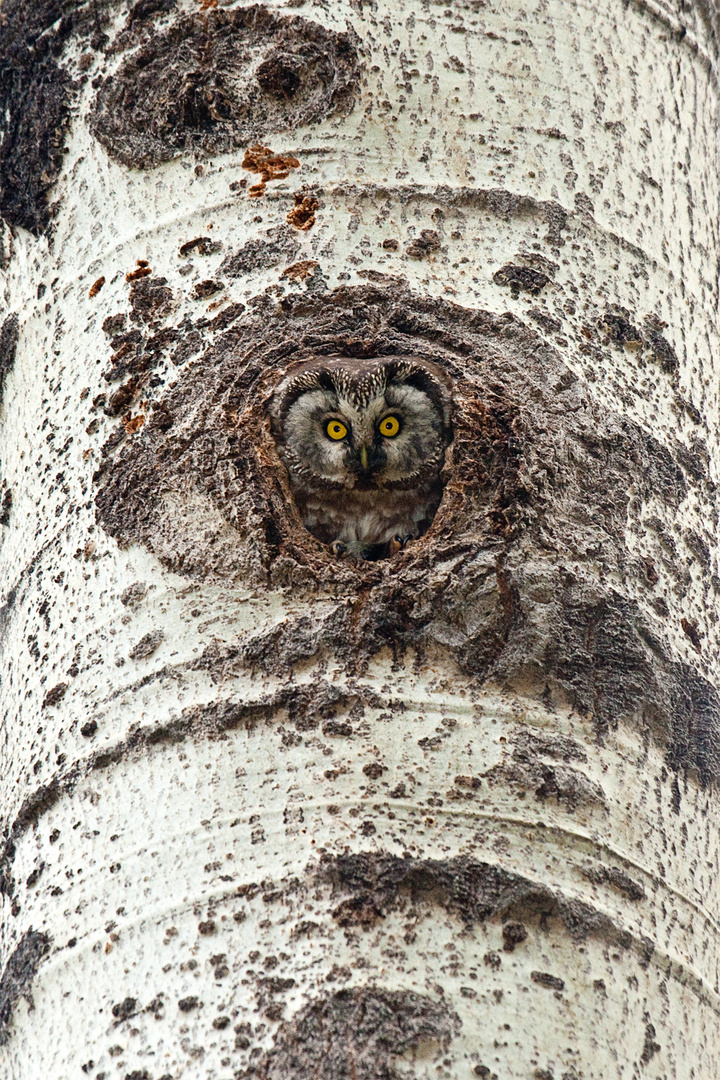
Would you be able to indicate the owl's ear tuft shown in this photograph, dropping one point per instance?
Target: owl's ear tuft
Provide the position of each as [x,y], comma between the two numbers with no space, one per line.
[430,378]
[307,377]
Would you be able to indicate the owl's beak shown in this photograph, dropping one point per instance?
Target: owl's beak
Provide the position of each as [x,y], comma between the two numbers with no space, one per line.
[364,458]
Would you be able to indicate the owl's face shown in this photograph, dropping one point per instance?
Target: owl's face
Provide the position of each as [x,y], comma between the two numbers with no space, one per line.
[363,425]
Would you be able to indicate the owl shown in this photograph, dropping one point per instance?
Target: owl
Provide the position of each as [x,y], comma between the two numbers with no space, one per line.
[364,444]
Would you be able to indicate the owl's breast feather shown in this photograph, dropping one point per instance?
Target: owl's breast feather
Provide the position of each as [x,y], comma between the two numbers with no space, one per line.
[365,518]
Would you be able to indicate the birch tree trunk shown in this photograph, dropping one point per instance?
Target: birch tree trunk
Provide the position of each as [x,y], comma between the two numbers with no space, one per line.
[272,814]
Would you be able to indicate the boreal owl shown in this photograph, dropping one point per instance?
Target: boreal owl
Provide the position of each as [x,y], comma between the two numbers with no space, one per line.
[364,444]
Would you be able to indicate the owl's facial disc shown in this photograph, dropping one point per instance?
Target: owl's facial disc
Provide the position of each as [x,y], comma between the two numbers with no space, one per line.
[393,440]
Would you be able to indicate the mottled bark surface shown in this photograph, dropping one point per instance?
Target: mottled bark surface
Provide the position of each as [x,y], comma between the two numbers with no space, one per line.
[271,814]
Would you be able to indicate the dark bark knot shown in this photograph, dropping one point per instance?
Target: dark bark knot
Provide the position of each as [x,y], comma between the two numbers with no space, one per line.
[36,94]
[218,80]
[208,82]
[541,477]
[355,1035]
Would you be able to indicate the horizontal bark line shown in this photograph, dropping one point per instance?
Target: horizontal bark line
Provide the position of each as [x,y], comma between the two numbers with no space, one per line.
[477,891]
[208,721]
[503,203]
[665,16]
[316,703]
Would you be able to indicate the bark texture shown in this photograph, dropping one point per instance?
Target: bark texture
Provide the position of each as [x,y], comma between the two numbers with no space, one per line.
[271,814]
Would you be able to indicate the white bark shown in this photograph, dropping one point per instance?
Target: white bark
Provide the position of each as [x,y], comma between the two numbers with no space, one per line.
[195,865]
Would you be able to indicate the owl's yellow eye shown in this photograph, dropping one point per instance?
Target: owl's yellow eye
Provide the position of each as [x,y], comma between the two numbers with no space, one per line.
[389,427]
[336,430]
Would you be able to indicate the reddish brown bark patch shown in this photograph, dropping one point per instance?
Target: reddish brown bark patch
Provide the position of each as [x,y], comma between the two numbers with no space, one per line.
[142,270]
[215,81]
[302,215]
[269,166]
[300,271]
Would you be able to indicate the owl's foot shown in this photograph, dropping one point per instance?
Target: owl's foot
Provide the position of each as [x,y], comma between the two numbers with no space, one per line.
[338,549]
[398,543]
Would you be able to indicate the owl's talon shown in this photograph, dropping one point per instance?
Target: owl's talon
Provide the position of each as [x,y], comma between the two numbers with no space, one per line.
[398,543]
[338,549]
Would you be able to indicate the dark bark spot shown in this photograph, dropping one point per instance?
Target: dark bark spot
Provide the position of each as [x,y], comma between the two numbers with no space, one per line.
[205,289]
[513,934]
[121,399]
[550,982]
[472,782]
[690,631]
[124,1009]
[279,246]
[662,350]
[554,326]
[650,1047]
[147,645]
[9,333]
[374,770]
[54,696]
[113,324]
[280,74]
[188,1004]
[6,501]
[133,594]
[618,879]
[145,9]
[150,300]
[18,974]
[337,728]
[34,876]
[521,278]
[218,80]
[616,323]
[201,245]
[427,243]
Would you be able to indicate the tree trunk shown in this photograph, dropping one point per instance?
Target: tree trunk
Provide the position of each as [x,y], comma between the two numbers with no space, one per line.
[273,813]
